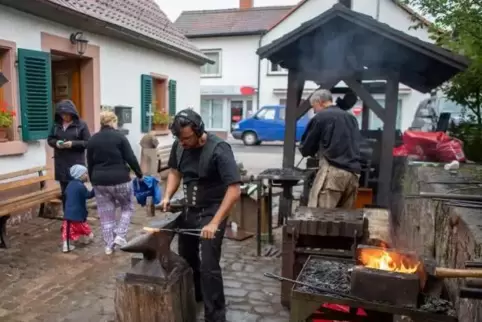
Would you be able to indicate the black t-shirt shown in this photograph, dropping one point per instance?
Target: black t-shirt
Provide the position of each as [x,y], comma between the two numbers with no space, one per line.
[223,169]
[337,133]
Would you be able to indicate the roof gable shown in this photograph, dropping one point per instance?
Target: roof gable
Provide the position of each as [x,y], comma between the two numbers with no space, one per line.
[402,5]
[141,17]
[339,36]
[229,22]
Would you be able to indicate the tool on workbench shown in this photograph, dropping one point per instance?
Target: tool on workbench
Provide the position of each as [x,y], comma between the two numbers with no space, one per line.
[431,276]
[320,289]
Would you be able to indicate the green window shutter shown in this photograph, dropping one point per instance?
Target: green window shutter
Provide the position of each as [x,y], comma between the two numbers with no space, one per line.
[146,103]
[172,97]
[35,82]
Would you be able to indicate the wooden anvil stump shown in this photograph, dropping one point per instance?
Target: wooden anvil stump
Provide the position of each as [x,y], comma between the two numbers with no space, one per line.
[159,287]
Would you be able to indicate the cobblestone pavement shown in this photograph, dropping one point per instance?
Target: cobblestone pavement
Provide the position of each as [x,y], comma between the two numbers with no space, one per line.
[39,283]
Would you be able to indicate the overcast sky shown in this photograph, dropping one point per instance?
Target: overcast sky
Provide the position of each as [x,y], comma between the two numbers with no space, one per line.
[173,8]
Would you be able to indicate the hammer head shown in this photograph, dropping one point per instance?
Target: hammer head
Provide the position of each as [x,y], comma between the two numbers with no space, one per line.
[430,284]
[429,265]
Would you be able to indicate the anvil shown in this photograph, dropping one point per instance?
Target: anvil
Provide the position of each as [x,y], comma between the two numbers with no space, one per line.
[158,262]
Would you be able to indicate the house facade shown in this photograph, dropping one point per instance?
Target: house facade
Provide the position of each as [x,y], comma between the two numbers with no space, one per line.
[232,37]
[99,56]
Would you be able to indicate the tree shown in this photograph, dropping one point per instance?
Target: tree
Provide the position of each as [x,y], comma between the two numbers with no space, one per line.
[457,26]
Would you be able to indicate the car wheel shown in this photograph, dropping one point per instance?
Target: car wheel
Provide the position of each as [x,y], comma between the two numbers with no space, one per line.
[250,138]
[258,142]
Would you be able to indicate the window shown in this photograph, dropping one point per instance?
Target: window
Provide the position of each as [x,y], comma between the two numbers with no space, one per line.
[275,69]
[374,122]
[249,107]
[159,95]
[1,88]
[212,112]
[268,113]
[212,70]
[282,113]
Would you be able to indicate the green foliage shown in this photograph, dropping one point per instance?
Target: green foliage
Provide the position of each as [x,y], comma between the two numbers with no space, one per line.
[457,26]
[160,118]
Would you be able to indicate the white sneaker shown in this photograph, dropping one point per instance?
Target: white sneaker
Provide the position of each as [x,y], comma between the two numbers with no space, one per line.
[108,250]
[67,248]
[89,239]
[120,241]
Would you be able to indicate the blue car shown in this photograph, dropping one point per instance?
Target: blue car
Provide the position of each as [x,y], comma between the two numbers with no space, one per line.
[268,124]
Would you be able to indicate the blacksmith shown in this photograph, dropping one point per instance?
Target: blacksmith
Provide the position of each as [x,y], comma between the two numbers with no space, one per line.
[334,137]
[211,183]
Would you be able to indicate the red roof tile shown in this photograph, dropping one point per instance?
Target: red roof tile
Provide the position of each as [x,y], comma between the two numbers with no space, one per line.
[230,21]
[140,16]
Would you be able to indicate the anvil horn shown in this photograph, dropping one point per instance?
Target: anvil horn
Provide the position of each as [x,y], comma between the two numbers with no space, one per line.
[140,244]
[156,243]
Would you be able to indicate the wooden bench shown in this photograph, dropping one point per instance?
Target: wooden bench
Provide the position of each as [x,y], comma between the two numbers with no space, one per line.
[163,154]
[10,182]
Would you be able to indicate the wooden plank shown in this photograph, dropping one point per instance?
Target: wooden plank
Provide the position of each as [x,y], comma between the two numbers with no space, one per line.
[366,97]
[21,173]
[27,197]
[384,190]
[28,203]
[25,182]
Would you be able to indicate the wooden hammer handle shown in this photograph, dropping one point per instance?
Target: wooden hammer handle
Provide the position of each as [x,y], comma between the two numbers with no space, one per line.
[457,273]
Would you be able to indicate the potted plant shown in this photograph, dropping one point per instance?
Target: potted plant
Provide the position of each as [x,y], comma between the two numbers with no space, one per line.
[160,121]
[6,120]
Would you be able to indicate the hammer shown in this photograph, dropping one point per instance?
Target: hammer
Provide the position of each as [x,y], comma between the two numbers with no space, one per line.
[431,276]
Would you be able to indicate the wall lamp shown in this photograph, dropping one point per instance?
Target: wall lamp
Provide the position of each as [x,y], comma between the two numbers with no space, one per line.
[78,39]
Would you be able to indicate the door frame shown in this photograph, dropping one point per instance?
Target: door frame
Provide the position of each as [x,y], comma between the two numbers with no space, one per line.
[89,82]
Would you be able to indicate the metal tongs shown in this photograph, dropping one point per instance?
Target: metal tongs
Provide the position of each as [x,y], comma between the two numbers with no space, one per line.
[189,232]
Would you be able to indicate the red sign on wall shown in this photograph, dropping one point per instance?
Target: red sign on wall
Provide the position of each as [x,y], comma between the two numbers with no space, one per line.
[356,110]
[247,90]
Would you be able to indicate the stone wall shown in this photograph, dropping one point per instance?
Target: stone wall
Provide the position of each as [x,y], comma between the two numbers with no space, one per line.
[450,234]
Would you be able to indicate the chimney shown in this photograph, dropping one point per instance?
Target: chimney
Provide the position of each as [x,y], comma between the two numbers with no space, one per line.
[245,4]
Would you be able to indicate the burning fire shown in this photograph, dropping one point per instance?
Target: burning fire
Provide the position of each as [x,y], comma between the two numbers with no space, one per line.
[386,260]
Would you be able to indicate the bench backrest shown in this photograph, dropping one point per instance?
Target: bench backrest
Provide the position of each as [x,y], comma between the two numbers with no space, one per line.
[24,178]
[164,153]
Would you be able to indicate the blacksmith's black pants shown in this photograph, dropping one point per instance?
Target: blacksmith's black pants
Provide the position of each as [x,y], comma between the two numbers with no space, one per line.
[208,279]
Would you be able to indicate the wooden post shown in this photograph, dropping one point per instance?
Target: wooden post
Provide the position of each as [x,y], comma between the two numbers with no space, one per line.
[388,141]
[296,84]
[295,90]
[365,124]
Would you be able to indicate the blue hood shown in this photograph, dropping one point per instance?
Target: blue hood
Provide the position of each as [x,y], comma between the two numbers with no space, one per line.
[65,107]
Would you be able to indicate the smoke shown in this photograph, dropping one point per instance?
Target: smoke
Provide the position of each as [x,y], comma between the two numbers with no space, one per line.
[340,45]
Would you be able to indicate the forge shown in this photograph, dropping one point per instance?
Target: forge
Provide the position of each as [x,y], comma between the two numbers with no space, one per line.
[371,294]
[385,275]
[159,285]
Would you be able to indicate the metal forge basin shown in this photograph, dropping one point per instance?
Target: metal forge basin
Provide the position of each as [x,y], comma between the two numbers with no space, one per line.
[386,275]
[286,178]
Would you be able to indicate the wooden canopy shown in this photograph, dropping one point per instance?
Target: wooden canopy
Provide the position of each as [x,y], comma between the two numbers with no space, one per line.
[344,45]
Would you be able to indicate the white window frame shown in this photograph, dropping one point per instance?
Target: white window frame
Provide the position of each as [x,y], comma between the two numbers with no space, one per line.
[225,116]
[282,71]
[220,60]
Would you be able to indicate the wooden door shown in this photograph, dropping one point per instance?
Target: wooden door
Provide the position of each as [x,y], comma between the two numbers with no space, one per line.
[67,83]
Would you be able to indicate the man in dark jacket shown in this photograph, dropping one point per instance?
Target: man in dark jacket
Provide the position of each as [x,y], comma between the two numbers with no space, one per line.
[333,135]
[211,183]
[68,138]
